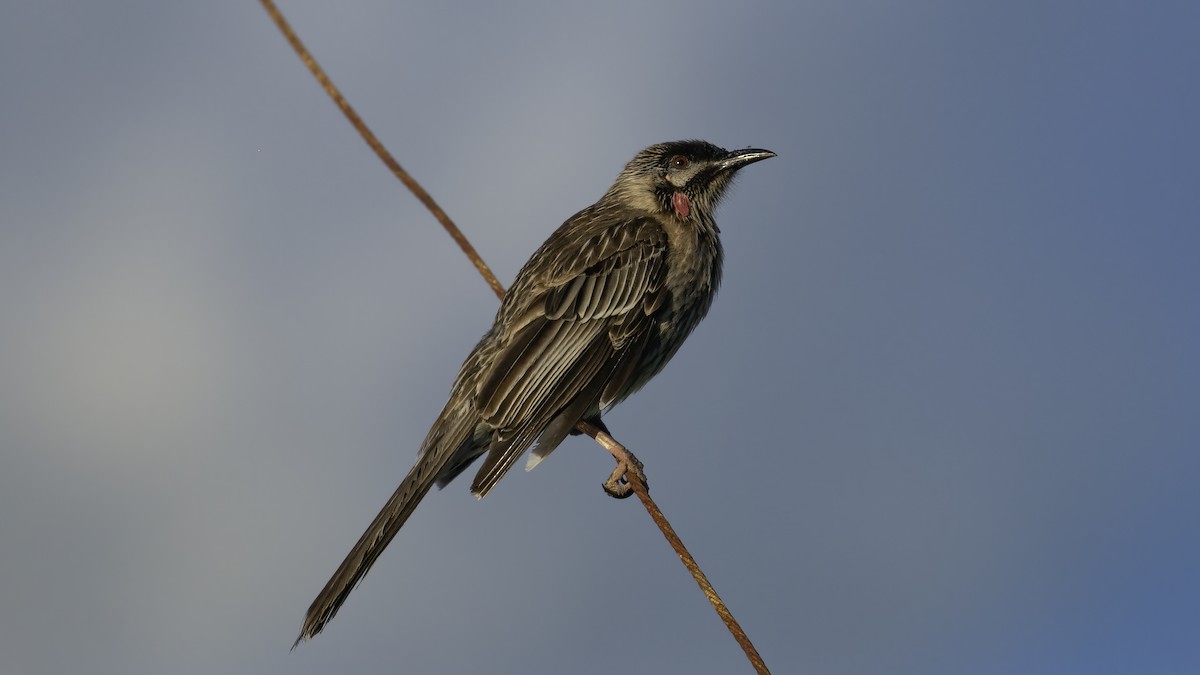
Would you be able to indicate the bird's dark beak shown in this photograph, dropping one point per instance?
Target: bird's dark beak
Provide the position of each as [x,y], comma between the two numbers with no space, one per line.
[739,158]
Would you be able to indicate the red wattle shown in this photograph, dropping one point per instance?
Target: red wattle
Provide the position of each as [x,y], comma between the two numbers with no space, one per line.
[682,206]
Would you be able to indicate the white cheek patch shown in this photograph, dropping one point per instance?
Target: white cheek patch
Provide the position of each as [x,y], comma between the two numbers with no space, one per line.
[683,207]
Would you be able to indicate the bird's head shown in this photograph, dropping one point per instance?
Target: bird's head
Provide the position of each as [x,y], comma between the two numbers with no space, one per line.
[683,178]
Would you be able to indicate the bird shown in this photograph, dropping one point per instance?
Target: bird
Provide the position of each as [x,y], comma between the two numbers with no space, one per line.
[597,311]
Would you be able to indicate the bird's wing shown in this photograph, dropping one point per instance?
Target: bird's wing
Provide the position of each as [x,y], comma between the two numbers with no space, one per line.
[584,320]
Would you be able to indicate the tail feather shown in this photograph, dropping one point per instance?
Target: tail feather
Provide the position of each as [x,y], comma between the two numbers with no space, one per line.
[440,447]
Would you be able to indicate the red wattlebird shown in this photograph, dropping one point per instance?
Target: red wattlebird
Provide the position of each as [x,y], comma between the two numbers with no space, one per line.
[597,311]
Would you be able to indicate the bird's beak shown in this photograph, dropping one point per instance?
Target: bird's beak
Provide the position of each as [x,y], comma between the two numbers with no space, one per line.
[739,158]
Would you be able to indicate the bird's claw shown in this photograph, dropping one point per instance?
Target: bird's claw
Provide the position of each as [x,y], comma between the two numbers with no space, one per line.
[617,485]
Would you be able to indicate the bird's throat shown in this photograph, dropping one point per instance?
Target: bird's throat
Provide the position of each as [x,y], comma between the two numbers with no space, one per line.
[683,207]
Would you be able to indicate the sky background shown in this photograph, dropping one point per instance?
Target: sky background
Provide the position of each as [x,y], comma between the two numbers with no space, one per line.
[943,417]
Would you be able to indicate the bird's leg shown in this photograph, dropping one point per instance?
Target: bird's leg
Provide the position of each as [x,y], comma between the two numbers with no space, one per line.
[617,484]
[596,422]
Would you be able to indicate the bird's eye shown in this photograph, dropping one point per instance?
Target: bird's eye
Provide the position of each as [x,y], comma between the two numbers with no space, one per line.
[679,162]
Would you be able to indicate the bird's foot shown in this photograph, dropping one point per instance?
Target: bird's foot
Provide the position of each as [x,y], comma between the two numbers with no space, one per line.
[618,485]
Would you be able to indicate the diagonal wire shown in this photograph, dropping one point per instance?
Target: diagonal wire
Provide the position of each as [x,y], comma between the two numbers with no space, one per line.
[622,455]
[619,451]
[391,163]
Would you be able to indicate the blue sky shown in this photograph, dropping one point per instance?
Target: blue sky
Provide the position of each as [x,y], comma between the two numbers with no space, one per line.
[943,417]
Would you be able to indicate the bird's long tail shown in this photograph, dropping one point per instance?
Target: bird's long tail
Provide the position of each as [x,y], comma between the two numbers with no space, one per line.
[445,440]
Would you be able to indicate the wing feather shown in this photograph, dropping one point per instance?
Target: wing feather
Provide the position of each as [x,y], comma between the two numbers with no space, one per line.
[508,444]
[585,316]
